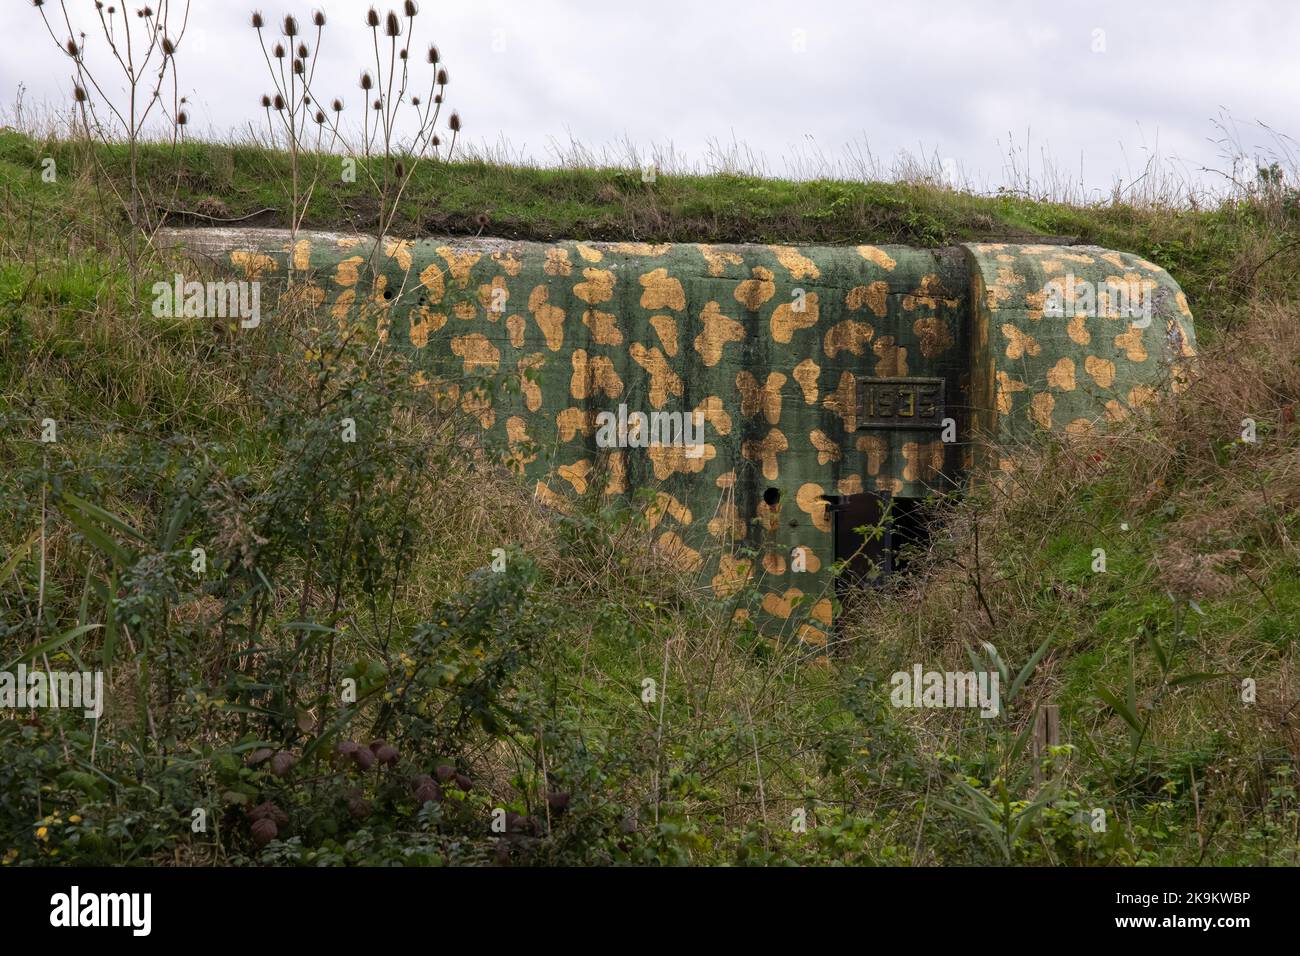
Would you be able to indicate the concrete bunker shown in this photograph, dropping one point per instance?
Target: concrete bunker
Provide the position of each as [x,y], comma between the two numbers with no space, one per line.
[830,385]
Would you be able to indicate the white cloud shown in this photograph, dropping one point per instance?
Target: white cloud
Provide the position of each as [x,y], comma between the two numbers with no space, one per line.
[950,76]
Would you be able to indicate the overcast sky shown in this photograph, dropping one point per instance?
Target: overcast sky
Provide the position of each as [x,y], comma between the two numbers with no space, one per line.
[1098,83]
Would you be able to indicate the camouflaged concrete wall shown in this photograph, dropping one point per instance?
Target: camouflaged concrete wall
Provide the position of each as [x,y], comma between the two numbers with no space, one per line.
[769,344]
[1039,364]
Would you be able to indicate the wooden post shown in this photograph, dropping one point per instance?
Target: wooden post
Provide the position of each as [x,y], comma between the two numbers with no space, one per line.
[1047,733]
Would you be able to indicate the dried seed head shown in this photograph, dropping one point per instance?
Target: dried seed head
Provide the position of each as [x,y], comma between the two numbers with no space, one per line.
[306,99]
[415,101]
[437,141]
[442,77]
[78,94]
[379,105]
[338,106]
[372,17]
[258,22]
[299,67]
[278,102]
[437,99]
[278,51]
[318,18]
[303,50]
[266,102]
[366,81]
[411,8]
[433,54]
[402,54]
[182,118]
[320,118]
[168,47]
[74,51]
[453,124]
[392,25]
[290,27]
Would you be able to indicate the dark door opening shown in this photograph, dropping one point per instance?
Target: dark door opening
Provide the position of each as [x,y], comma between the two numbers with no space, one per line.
[870,531]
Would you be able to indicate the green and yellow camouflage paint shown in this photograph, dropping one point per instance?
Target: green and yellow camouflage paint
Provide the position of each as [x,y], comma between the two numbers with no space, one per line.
[811,368]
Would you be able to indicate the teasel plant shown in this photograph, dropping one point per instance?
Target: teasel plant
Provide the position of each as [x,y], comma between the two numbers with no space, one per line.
[388,90]
[142,46]
[291,111]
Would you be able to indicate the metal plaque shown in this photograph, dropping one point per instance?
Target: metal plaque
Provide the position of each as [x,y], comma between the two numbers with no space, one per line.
[900,403]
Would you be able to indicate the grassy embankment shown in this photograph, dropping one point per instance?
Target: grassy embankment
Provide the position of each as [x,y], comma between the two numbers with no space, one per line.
[222,685]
